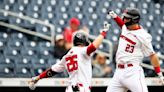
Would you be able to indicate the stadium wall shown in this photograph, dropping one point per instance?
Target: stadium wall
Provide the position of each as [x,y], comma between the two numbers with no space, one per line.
[62,89]
[59,85]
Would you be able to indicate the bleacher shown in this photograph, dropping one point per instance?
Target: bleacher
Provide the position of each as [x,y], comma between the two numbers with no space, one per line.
[24,56]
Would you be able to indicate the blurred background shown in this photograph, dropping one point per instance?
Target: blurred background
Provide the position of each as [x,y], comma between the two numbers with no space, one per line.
[35,34]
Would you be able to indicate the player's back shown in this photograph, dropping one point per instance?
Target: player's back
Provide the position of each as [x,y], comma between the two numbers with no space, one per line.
[78,65]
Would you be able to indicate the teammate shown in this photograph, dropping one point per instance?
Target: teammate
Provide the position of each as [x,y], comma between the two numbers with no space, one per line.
[77,62]
[134,44]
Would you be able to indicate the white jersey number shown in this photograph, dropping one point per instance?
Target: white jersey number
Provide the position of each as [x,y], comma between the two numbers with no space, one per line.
[72,63]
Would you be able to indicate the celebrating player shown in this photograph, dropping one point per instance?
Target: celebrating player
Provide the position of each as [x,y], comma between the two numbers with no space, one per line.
[134,44]
[77,62]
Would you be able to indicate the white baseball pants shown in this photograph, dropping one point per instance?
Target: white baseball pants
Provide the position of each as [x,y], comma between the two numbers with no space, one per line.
[129,78]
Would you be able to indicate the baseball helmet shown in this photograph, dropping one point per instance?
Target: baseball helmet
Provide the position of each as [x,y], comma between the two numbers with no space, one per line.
[133,14]
[80,38]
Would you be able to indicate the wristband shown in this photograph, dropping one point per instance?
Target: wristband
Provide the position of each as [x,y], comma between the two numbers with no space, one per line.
[103,33]
[47,73]
[157,69]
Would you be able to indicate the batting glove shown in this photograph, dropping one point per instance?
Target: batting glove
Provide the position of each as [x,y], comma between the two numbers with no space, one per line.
[161,77]
[32,82]
[106,26]
[105,29]
[112,14]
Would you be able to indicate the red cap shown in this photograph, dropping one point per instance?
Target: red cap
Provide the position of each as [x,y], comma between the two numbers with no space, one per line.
[75,21]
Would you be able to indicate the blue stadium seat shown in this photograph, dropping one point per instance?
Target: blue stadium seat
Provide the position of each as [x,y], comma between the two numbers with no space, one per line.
[15,44]
[29,24]
[52,61]
[8,60]
[2,47]
[4,36]
[28,51]
[43,29]
[24,2]
[11,52]
[104,47]
[30,45]
[23,71]
[18,36]
[40,62]
[37,69]
[25,61]
[46,46]
[6,70]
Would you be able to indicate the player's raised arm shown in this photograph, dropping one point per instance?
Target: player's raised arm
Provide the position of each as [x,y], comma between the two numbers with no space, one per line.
[118,20]
[96,43]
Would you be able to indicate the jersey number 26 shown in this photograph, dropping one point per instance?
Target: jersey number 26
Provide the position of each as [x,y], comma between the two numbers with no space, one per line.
[72,63]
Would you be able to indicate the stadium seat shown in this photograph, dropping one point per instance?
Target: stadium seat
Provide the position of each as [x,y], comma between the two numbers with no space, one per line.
[8,60]
[18,36]
[28,51]
[2,46]
[23,71]
[15,44]
[52,61]
[24,2]
[24,61]
[3,36]
[37,69]
[6,71]
[30,45]
[11,52]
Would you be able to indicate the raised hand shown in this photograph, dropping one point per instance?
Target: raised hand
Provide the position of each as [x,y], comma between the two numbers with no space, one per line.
[161,77]
[112,14]
[105,27]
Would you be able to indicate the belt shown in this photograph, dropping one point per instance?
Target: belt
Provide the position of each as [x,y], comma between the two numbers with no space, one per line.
[122,66]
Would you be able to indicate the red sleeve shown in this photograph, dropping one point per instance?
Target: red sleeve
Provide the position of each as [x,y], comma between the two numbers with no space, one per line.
[119,21]
[157,69]
[43,75]
[91,48]
[47,73]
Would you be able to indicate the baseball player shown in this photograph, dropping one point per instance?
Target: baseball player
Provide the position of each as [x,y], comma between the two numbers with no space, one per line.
[134,45]
[77,62]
